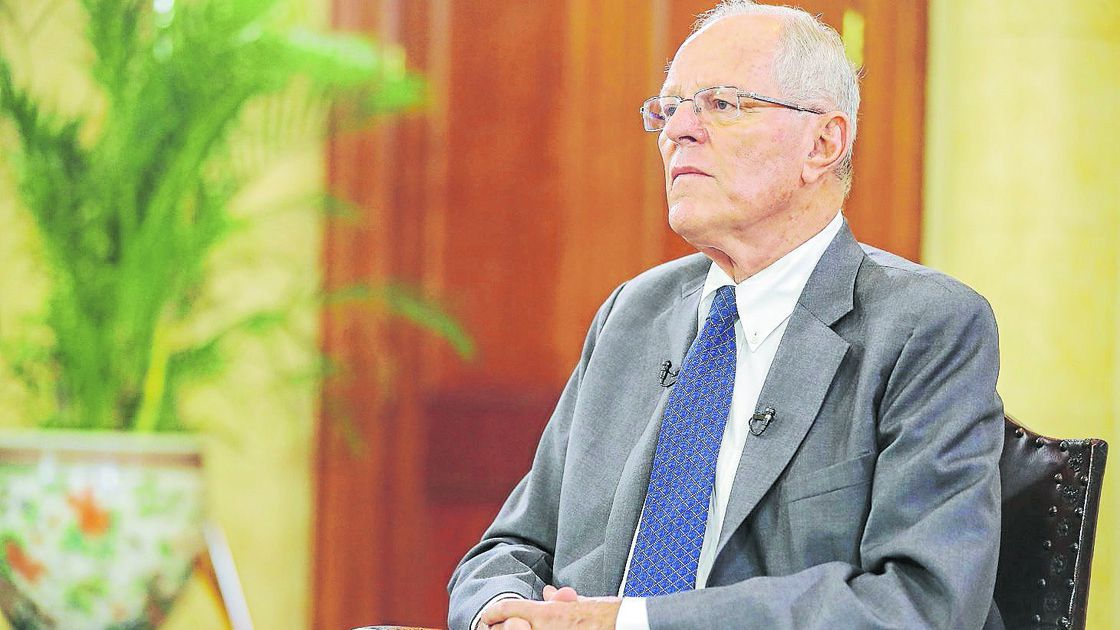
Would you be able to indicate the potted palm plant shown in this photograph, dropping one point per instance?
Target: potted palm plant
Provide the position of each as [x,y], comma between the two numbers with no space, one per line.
[100,510]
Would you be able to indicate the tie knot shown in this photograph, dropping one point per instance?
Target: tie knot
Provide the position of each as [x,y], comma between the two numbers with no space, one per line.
[724,311]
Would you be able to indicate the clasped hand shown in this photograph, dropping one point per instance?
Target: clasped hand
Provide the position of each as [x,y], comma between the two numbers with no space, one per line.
[561,608]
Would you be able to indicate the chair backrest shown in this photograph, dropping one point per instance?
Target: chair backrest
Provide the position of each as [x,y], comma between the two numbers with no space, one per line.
[1051,492]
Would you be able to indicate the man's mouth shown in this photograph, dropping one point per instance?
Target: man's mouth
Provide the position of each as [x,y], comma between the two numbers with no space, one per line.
[683,171]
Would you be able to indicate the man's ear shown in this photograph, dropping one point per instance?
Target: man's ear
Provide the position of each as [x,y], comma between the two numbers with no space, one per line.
[829,143]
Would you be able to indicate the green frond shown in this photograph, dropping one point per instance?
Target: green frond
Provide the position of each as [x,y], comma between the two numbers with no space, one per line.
[114,33]
[406,302]
[200,96]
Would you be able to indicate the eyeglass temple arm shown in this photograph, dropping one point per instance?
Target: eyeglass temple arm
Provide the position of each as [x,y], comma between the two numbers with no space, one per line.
[777,101]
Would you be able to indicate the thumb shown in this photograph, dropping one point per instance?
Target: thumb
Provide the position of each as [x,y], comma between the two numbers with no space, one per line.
[565,594]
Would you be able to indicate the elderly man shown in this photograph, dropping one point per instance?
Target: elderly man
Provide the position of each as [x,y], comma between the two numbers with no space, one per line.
[787,430]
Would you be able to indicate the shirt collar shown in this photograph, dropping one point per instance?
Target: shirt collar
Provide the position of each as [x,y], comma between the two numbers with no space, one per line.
[767,298]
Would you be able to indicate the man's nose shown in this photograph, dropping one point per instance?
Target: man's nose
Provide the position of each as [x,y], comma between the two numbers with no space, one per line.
[684,126]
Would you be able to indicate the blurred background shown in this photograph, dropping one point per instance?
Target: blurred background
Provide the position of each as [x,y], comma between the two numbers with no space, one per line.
[516,195]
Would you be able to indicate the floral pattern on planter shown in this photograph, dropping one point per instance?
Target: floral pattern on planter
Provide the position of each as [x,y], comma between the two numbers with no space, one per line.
[91,539]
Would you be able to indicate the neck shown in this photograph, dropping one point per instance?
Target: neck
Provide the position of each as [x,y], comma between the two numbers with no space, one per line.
[756,247]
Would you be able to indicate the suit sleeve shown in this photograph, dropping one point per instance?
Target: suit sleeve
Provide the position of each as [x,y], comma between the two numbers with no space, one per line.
[931,541]
[515,553]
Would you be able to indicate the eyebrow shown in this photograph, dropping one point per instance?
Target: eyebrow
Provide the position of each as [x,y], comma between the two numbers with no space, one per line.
[668,89]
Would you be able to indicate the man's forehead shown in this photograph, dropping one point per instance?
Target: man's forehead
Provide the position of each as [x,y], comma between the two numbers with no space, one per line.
[729,51]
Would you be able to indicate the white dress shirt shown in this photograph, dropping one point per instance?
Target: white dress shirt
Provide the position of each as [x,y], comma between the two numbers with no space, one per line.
[765,302]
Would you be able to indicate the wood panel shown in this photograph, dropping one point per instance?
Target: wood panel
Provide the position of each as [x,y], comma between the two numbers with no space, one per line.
[886,200]
[522,194]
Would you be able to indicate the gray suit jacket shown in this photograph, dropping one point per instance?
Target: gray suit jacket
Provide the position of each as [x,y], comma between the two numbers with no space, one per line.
[871,501]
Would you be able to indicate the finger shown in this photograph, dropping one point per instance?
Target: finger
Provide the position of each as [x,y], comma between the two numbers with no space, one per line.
[508,609]
[565,594]
[511,624]
[549,591]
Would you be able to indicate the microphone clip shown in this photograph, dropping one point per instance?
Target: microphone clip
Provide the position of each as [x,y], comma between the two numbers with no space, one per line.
[761,420]
[666,376]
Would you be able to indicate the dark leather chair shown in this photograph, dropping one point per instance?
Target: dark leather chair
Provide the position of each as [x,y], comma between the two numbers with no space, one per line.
[1051,492]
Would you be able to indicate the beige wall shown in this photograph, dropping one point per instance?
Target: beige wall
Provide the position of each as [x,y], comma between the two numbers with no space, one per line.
[259,419]
[1023,203]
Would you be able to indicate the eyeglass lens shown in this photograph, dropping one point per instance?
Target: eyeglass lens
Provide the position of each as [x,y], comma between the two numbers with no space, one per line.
[717,104]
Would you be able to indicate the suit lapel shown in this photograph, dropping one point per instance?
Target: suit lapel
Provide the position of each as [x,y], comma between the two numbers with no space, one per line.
[803,368]
[676,327]
[799,378]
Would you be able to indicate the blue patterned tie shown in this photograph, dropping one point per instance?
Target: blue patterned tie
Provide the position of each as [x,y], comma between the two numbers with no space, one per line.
[675,514]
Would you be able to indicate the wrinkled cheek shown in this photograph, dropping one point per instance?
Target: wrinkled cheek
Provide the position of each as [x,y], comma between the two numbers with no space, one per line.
[761,174]
[747,174]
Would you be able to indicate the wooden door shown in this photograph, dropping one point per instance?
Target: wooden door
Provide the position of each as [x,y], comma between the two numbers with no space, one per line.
[521,219]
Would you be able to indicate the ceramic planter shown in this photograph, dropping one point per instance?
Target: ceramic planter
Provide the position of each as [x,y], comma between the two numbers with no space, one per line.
[97,530]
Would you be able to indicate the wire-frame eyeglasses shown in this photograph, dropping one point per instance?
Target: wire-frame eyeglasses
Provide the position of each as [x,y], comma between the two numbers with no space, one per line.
[721,104]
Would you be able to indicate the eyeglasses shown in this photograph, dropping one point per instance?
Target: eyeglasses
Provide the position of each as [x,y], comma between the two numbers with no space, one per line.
[721,104]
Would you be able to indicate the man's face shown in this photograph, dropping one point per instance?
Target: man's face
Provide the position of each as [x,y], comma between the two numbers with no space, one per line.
[749,168]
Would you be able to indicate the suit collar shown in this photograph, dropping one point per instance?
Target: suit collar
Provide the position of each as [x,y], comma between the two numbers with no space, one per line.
[694,284]
[766,299]
[829,293]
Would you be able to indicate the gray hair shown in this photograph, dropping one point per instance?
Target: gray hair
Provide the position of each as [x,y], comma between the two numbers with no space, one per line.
[810,65]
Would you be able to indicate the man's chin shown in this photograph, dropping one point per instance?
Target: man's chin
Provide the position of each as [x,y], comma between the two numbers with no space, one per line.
[688,220]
